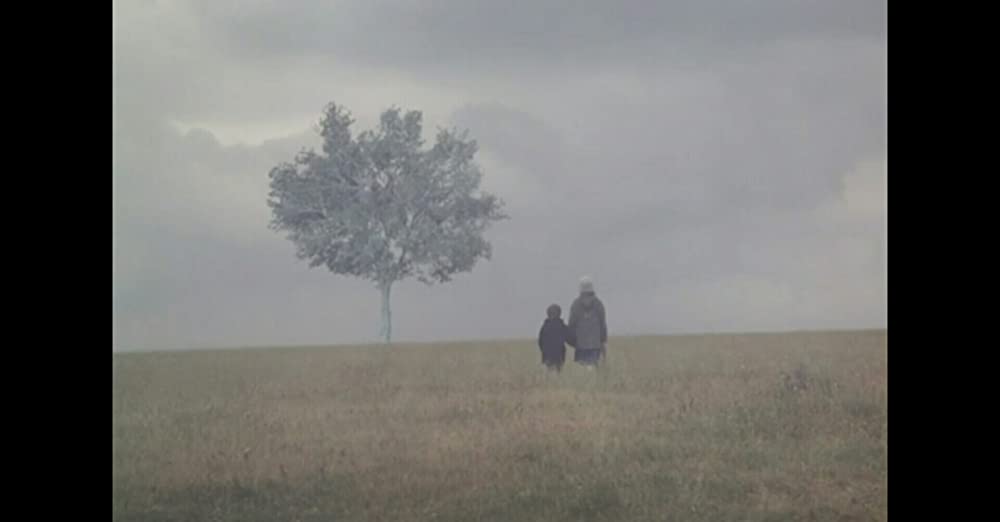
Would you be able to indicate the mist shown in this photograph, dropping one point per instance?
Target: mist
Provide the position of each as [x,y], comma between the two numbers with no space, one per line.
[714,169]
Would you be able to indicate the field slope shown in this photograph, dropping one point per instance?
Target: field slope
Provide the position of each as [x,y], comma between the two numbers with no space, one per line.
[720,427]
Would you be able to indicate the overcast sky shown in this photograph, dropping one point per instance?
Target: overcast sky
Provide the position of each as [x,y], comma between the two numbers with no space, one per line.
[714,165]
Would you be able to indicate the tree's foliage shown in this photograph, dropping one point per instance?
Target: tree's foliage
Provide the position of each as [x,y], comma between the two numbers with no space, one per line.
[381,207]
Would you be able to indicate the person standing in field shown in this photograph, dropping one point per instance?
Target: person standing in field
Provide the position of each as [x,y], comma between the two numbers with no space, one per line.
[588,326]
[552,339]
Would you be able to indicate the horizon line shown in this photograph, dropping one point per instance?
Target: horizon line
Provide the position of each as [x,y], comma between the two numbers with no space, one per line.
[486,340]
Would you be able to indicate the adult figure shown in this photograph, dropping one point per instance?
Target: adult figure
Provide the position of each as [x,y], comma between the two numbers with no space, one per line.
[588,326]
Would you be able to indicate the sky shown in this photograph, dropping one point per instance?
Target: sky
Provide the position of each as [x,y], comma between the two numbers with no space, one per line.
[714,166]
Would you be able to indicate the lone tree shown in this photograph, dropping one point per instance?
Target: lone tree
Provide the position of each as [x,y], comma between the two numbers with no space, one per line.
[382,208]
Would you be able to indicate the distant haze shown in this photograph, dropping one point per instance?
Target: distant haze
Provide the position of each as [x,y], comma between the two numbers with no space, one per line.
[715,166]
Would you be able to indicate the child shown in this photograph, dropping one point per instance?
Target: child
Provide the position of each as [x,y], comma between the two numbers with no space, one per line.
[552,339]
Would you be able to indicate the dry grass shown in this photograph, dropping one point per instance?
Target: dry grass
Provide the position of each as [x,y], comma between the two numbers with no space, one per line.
[745,427]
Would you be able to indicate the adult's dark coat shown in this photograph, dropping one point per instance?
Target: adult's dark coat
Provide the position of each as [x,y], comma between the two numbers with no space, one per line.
[588,327]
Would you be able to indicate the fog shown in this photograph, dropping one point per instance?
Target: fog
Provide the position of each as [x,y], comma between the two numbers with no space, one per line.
[714,168]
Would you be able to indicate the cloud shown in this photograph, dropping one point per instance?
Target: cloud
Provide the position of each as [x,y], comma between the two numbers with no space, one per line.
[452,35]
[714,167]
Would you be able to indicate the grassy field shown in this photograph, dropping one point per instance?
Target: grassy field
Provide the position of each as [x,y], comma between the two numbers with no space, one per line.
[720,427]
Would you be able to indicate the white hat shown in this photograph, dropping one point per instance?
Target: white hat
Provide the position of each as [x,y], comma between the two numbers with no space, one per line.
[586,284]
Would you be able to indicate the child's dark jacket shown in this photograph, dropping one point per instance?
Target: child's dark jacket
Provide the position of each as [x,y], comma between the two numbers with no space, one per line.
[552,341]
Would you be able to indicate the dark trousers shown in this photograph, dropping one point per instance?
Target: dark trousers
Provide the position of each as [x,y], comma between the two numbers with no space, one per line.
[589,357]
[553,359]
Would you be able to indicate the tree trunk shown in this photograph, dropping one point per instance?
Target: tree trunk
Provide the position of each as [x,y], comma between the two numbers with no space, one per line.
[385,329]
